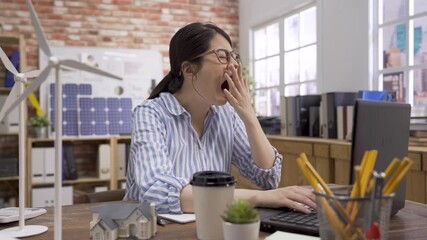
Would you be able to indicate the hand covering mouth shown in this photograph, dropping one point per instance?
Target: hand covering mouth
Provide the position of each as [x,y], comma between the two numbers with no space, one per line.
[224,85]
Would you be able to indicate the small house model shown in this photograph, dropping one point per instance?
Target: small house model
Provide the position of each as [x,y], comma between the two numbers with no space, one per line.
[125,220]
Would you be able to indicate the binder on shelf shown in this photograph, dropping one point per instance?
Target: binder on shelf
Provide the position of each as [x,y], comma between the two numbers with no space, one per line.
[314,121]
[283,115]
[291,120]
[37,165]
[302,106]
[70,168]
[104,161]
[121,160]
[49,164]
[328,114]
[9,80]
[344,122]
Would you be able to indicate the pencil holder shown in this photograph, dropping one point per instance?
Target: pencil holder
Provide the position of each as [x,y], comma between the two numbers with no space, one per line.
[344,217]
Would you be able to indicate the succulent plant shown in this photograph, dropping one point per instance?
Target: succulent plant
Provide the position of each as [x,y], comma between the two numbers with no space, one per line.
[240,212]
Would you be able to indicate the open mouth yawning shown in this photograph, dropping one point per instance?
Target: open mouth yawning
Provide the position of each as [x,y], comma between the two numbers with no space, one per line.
[224,85]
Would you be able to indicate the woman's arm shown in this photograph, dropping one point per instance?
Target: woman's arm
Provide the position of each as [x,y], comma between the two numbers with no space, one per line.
[293,197]
[240,98]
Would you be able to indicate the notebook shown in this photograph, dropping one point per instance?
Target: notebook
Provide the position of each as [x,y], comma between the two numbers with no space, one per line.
[376,125]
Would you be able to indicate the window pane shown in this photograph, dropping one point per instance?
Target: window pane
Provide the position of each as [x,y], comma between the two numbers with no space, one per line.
[420,40]
[260,73]
[260,43]
[308,26]
[292,67]
[395,82]
[394,46]
[308,88]
[267,102]
[420,6]
[291,90]
[273,39]
[308,63]
[394,9]
[273,71]
[291,32]
[261,102]
[420,87]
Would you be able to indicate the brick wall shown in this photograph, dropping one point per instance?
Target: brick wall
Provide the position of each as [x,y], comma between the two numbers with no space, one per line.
[139,24]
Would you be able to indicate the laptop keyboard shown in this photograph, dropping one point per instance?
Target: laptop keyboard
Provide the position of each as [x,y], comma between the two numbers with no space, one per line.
[292,221]
[309,220]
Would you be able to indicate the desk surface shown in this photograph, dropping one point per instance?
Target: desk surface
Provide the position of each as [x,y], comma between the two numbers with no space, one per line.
[408,223]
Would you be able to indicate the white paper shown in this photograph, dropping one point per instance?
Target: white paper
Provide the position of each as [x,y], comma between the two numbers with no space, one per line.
[179,218]
[286,235]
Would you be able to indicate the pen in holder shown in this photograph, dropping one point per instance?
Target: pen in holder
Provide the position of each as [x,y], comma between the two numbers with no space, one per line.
[361,211]
[335,224]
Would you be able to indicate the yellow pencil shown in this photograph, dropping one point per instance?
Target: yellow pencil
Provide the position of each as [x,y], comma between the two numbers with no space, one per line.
[367,171]
[314,179]
[400,173]
[392,166]
[316,175]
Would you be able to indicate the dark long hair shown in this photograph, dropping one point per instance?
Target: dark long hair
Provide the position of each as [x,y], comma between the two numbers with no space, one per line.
[186,45]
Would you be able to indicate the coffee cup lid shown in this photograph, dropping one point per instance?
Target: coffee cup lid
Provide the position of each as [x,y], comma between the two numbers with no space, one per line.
[212,179]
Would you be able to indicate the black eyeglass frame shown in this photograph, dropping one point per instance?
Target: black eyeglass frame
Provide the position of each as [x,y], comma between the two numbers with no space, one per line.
[228,55]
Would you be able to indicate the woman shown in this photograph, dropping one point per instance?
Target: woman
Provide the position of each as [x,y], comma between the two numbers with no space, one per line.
[199,117]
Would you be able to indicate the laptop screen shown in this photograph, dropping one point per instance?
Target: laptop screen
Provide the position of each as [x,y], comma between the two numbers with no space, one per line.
[383,126]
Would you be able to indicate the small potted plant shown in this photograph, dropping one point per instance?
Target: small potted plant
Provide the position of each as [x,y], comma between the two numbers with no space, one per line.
[40,125]
[241,221]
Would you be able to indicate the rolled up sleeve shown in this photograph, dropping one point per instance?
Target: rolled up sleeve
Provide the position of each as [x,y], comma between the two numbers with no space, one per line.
[242,159]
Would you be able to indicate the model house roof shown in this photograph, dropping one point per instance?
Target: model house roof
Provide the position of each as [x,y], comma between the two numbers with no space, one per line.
[120,211]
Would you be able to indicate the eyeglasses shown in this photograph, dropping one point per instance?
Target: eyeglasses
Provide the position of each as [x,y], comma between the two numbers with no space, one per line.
[224,56]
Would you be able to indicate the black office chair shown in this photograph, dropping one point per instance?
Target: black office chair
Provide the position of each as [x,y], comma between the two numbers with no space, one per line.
[106,196]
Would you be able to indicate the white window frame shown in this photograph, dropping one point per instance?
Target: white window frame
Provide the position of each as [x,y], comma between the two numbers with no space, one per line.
[377,39]
[280,21]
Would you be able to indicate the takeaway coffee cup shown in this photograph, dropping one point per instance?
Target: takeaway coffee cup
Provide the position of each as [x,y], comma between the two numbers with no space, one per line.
[212,191]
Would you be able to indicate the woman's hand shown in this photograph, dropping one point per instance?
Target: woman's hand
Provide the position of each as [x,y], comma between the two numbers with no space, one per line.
[293,197]
[238,93]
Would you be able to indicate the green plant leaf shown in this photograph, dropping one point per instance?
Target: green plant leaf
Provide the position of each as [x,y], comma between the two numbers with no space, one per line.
[240,212]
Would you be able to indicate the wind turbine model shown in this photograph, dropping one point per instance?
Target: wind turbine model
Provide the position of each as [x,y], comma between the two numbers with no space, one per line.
[17,90]
[55,63]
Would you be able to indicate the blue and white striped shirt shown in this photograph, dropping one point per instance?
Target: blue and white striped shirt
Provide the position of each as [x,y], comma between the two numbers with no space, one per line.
[166,151]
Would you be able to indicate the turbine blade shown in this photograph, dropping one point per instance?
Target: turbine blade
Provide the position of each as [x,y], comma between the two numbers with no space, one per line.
[39,30]
[34,86]
[7,63]
[9,100]
[84,67]
[32,73]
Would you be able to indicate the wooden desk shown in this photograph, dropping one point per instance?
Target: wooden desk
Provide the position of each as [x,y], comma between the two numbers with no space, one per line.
[409,223]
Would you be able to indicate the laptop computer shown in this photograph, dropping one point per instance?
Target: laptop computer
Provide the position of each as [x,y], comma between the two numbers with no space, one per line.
[383,126]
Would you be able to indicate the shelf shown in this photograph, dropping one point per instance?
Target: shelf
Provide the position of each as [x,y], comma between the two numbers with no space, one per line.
[13,178]
[73,182]
[4,91]
[80,139]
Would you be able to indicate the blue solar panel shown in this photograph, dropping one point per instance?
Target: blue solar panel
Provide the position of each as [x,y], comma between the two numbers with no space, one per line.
[70,94]
[104,116]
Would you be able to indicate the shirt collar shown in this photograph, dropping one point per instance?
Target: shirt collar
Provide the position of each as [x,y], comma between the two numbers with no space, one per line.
[174,107]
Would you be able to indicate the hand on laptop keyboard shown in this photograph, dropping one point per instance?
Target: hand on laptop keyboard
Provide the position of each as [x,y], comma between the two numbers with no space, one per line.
[293,197]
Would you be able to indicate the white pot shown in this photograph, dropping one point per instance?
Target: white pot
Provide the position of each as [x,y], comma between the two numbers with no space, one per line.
[248,231]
